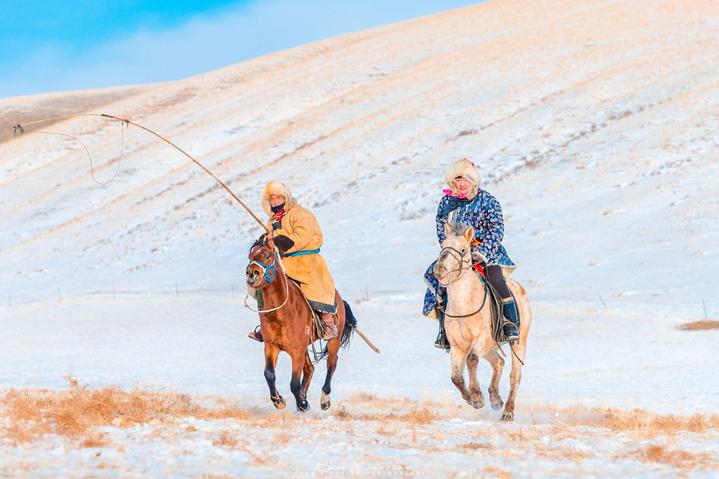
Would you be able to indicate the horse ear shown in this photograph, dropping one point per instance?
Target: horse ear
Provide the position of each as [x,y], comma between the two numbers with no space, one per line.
[469,234]
[447,229]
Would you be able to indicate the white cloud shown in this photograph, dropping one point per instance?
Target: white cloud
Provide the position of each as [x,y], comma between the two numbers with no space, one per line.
[205,43]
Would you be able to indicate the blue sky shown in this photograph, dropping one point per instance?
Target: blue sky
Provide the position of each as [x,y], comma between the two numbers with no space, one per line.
[70,45]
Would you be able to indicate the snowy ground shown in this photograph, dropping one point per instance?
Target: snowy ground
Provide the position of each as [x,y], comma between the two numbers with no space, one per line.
[596,125]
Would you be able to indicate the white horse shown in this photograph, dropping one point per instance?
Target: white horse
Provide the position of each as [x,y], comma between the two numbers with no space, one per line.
[468,322]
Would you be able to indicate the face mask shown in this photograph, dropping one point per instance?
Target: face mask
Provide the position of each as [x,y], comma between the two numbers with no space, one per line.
[277,208]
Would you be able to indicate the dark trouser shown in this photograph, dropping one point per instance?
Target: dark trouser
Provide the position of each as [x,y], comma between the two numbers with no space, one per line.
[496,279]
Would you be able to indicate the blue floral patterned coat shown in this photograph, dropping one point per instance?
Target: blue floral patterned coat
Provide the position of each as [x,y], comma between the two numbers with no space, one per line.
[484,214]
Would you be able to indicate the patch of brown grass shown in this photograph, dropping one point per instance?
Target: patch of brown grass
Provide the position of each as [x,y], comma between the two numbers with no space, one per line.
[491,471]
[700,325]
[97,439]
[342,413]
[77,410]
[675,457]
[635,420]
[226,439]
[475,445]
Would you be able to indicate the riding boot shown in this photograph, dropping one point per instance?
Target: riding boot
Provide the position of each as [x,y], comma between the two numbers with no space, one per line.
[256,335]
[330,326]
[510,327]
[441,341]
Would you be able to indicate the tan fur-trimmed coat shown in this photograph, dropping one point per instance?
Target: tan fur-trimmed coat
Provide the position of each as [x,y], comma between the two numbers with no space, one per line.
[302,227]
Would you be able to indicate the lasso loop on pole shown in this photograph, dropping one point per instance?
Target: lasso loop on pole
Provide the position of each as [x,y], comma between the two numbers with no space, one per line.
[20,129]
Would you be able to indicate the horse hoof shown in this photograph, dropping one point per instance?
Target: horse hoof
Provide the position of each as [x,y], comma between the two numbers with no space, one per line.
[279,402]
[325,401]
[497,405]
[508,417]
[476,404]
[303,406]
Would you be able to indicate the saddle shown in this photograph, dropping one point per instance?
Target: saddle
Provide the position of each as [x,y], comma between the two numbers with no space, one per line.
[318,326]
[495,304]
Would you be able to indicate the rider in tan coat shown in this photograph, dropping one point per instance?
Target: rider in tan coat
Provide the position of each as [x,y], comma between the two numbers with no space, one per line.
[298,237]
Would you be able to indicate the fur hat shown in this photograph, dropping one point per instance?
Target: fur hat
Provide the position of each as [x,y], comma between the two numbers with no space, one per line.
[275,187]
[466,170]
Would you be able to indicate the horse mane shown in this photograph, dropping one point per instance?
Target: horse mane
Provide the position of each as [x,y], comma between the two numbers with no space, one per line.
[456,227]
[261,241]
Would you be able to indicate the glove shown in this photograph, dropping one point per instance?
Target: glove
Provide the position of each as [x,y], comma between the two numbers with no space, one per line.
[283,244]
[478,258]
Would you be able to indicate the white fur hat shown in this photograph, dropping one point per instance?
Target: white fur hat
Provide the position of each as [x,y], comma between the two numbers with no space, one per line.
[466,170]
[275,187]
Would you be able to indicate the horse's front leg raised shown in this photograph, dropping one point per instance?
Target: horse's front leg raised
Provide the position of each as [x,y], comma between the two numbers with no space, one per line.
[458,362]
[271,353]
[497,363]
[476,399]
[298,365]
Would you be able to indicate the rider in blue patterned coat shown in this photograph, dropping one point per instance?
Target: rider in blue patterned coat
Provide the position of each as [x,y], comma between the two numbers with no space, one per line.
[467,203]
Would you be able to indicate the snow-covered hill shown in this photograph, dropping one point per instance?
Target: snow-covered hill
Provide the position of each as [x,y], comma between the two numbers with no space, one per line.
[595,123]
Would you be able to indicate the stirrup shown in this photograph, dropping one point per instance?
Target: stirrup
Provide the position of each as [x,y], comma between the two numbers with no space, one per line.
[256,335]
[442,342]
[510,339]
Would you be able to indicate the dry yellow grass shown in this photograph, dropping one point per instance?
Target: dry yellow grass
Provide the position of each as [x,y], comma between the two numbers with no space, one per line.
[678,458]
[226,439]
[77,410]
[635,420]
[700,325]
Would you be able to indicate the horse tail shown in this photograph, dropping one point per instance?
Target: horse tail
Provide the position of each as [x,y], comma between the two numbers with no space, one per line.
[350,325]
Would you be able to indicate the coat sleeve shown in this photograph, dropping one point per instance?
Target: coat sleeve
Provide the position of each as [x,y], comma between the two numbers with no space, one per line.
[491,229]
[442,213]
[305,230]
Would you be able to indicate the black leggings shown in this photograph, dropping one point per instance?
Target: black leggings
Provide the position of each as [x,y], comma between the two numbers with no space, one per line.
[496,279]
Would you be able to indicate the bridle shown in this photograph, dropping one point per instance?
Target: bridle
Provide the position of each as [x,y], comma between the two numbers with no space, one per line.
[269,271]
[269,274]
[459,256]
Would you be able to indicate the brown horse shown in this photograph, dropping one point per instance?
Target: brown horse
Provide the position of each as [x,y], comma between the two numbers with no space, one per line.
[286,323]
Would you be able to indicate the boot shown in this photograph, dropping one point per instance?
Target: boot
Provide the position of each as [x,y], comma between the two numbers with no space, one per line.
[256,335]
[510,327]
[330,326]
[441,341]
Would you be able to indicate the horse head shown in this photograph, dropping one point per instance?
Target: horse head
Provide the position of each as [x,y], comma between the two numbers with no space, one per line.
[264,265]
[456,256]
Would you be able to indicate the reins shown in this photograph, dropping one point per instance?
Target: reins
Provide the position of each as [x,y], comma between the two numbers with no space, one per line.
[462,262]
[461,268]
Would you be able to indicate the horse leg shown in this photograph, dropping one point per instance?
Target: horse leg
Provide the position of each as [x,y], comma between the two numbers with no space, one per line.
[514,377]
[497,362]
[271,353]
[333,348]
[458,362]
[298,365]
[307,373]
[476,399]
